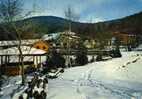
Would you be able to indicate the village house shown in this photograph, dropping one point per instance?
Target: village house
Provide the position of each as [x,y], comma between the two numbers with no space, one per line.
[62,39]
[125,38]
[9,56]
[90,43]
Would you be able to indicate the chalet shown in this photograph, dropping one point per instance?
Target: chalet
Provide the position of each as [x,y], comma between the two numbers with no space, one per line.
[51,36]
[124,38]
[91,43]
[9,59]
[9,56]
[62,39]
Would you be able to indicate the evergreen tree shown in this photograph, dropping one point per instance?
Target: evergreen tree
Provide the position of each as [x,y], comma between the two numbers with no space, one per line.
[81,55]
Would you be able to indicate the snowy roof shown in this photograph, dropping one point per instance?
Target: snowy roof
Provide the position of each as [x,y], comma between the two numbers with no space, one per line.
[68,32]
[56,35]
[51,36]
[25,50]
[15,42]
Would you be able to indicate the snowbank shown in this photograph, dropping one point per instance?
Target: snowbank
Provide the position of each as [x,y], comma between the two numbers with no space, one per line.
[139,48]
[127,68]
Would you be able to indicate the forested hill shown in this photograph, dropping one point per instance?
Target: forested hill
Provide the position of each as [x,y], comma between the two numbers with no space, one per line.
[41,25]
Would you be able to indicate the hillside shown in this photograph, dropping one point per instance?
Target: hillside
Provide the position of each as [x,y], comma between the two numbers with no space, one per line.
[129,24]
[50,24]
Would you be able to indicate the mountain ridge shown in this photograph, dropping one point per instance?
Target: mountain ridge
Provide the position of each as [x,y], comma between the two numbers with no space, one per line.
[51,24]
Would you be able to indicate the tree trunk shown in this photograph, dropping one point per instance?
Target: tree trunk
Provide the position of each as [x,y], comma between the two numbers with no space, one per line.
[21,64]
[22,70]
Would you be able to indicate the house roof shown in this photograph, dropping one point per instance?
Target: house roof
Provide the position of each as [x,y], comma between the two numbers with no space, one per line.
[56,35]
[25,50]
[15,42]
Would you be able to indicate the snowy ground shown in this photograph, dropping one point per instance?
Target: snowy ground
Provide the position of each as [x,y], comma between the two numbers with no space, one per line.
[118,78]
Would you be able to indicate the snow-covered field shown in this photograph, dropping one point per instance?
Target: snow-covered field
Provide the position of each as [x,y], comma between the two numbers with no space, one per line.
[119,78]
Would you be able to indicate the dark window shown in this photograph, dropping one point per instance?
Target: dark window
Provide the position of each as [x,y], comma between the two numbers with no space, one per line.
[38,47]
[44,47]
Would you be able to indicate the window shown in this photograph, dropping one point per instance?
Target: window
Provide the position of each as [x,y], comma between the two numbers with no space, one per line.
[44,47]
[38,47]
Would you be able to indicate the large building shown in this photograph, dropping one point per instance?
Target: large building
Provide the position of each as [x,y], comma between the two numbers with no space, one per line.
[125,38]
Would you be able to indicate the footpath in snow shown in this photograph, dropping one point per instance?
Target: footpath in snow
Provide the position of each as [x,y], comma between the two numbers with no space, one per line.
[118,78]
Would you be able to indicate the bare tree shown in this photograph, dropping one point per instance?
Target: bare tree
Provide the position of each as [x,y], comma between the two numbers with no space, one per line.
[71,16]
[10,12]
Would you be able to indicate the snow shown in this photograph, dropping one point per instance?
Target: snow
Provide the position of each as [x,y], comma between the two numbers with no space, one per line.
[56,35]
[111,69]
[101,80]
[51,36]
[139,48]
[25,50]
[15,42]
[118,78]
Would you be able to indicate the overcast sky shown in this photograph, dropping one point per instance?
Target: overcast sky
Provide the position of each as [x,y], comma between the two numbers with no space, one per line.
[89,10]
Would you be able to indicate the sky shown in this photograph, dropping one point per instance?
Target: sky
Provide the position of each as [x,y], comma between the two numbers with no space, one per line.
[88,10]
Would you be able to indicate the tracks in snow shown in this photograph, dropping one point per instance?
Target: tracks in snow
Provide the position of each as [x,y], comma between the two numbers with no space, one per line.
[104,89]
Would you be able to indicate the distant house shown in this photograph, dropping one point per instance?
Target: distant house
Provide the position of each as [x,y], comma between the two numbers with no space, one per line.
[91,43]
[124,38]
[51,36]
[62,39]
[68,39]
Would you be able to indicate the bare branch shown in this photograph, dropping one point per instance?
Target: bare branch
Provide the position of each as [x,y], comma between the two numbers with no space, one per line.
[71,15]
[10,12]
